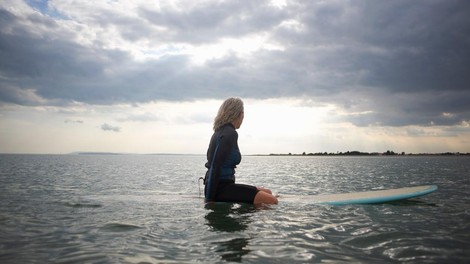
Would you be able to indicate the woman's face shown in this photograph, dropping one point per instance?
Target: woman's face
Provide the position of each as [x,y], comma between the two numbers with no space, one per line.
[238,122]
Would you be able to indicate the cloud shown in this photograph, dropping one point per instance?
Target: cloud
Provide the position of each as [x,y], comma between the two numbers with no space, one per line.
[107,127]
[400,62]
[210,21]
[68,121]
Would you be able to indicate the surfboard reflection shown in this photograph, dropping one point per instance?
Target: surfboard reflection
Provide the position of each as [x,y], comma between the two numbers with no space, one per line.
[231,218]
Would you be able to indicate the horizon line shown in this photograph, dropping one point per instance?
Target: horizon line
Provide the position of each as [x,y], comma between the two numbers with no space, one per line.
[338,153]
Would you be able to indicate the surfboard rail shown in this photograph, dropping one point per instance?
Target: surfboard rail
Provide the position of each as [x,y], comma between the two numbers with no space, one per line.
[367,197]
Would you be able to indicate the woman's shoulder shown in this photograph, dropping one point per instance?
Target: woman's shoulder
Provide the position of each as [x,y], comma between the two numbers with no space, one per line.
[228,131]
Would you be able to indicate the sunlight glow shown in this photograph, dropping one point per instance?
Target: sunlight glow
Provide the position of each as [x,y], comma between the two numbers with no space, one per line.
[239,47]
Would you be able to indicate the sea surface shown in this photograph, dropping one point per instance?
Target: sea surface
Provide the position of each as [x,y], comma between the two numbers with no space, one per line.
[146,209]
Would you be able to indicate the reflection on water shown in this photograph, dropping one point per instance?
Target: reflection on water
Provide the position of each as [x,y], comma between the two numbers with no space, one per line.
[230,218]
[411,202]
[233,250]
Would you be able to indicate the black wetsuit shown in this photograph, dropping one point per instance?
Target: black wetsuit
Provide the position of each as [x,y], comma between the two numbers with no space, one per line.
[223,156]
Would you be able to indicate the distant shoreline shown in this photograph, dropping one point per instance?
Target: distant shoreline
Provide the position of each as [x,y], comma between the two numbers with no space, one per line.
[358,153]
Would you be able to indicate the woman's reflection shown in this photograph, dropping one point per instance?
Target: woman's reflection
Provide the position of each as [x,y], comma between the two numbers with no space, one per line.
[231,218]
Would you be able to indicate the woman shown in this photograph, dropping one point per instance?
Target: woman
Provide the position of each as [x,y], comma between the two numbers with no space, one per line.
[222,157]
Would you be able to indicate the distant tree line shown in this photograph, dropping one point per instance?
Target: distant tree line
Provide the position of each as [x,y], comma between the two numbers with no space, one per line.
[359,153]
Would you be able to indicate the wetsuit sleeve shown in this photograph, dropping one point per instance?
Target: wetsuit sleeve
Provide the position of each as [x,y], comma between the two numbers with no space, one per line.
[225,145]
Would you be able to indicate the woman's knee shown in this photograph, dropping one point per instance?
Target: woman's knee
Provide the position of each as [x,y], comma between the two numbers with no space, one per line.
[264,190]
[264,198]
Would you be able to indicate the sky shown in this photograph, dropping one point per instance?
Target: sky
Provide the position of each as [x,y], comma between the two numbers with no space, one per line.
[315,76]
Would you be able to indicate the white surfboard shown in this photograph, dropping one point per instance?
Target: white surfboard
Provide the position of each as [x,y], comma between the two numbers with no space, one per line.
[370,197]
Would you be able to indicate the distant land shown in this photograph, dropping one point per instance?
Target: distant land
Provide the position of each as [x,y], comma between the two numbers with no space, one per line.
[359,153]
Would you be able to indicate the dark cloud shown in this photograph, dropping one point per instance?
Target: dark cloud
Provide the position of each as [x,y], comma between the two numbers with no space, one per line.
[108,127]
[397,62]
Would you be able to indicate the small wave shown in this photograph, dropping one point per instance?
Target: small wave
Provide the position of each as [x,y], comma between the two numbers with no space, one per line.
[84,257]
[119,227]
[82,205]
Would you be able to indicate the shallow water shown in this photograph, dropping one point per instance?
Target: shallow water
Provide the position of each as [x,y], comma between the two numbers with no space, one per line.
[145,209]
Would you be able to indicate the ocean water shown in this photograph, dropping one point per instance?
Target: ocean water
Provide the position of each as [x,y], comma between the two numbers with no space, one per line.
[146,209]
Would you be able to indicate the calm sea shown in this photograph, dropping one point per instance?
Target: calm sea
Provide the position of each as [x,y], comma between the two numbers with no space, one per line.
[145,209]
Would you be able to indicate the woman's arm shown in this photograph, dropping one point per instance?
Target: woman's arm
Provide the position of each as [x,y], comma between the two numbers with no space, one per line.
[221,152]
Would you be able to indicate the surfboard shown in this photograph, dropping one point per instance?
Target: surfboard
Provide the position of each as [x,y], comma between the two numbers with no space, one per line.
[368,197]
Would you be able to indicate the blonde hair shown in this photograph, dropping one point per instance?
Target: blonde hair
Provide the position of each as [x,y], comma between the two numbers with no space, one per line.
[228,112]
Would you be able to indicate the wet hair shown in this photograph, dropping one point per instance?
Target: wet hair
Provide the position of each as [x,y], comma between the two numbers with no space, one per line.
[228,112]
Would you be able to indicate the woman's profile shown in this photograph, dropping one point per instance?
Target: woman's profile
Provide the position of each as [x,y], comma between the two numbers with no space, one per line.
[222,157]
